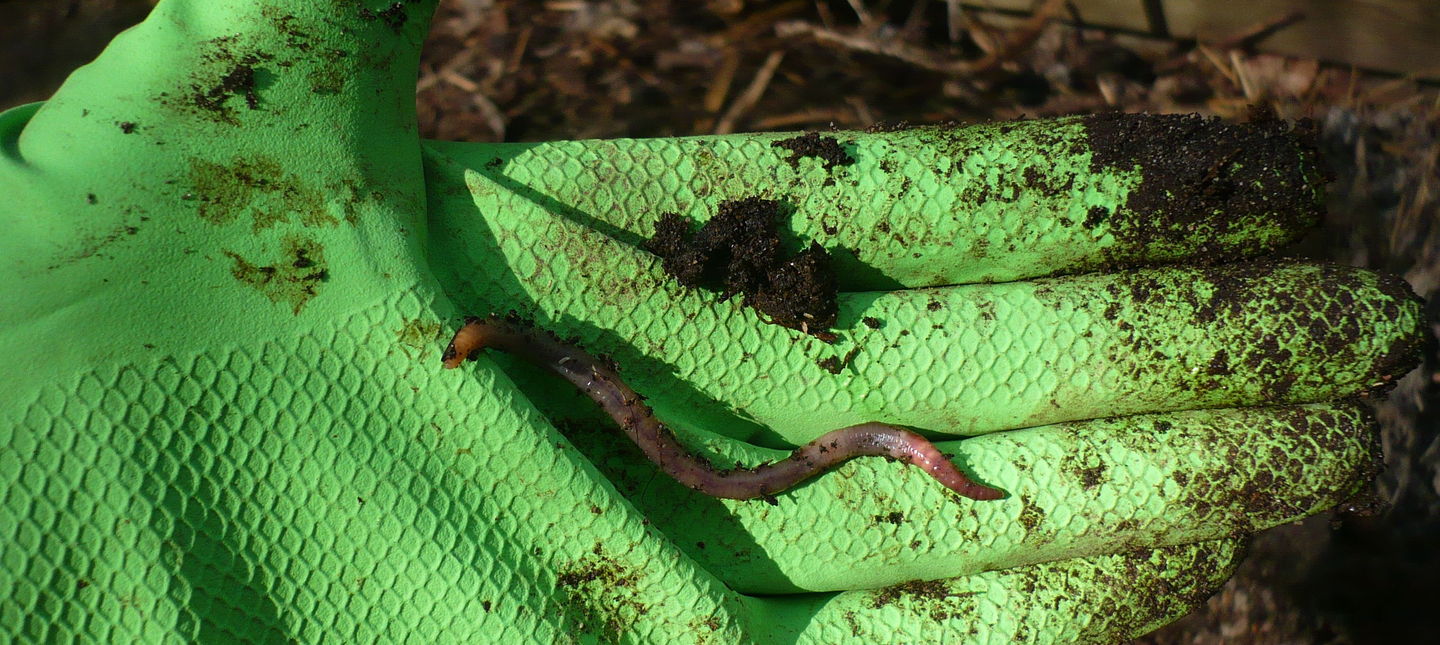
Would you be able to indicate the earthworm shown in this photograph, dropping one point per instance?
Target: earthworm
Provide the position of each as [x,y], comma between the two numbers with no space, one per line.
[599,380]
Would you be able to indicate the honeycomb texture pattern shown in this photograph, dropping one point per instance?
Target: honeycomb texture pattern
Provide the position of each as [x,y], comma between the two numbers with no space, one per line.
[334,485]
[1074,490]
[223,418]
[920,207]
[331,483]
[1034,604]
[957,360]
[321,487]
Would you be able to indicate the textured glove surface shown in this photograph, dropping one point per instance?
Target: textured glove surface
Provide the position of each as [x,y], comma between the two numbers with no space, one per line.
[230,267]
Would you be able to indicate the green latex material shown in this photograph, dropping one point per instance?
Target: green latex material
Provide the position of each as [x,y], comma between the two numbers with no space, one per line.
[230,266]
[916,207]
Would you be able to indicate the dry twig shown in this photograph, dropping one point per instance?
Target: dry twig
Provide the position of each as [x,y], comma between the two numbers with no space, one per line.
[751,95]
[921,57]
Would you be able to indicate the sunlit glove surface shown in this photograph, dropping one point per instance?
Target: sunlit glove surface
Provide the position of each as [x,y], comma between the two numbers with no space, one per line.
[231,267]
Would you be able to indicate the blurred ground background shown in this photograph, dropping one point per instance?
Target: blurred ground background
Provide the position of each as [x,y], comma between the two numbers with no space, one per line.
[525,70]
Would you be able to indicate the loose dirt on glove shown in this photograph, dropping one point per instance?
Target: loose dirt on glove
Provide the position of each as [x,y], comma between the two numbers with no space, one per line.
[738,251]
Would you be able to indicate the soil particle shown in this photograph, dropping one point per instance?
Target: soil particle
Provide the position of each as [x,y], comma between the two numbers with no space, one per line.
[739,251]
[128,127]
[227,76]
[933,598]
[887,126]
[1193,169]
[811,144]
[600,596]
[1229,286]
[919,589]
[871,322]
[800,292]
[286,281]
[1095,216]
[238,81]
[417,335]
[897,518]
[836,365]
[732,252]
[1219,364]
[258,186]
[1030,517]
[394,15]
[1319,310]
[302,259]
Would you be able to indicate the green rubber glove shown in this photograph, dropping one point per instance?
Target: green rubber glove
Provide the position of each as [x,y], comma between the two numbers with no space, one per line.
[230,267]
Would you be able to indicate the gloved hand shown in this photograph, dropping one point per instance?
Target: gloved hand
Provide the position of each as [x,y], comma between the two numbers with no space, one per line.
[231,267]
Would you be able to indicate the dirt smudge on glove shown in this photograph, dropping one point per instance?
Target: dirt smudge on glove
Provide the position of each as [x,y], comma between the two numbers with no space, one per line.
[292,279]
[827,149]
[1206,180]
[601,596]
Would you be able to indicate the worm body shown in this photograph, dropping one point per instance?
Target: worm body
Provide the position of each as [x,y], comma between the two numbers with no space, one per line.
[598,380]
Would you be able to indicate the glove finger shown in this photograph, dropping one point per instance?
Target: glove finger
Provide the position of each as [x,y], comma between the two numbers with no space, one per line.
[1101,599]
[951,205]
[972,359]
[961,360]
[1074,490]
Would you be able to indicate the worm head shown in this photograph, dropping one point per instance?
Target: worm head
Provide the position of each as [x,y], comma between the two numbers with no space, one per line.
[468,339]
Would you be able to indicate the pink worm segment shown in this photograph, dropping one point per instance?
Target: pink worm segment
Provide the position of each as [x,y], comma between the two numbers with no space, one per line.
[598,380]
